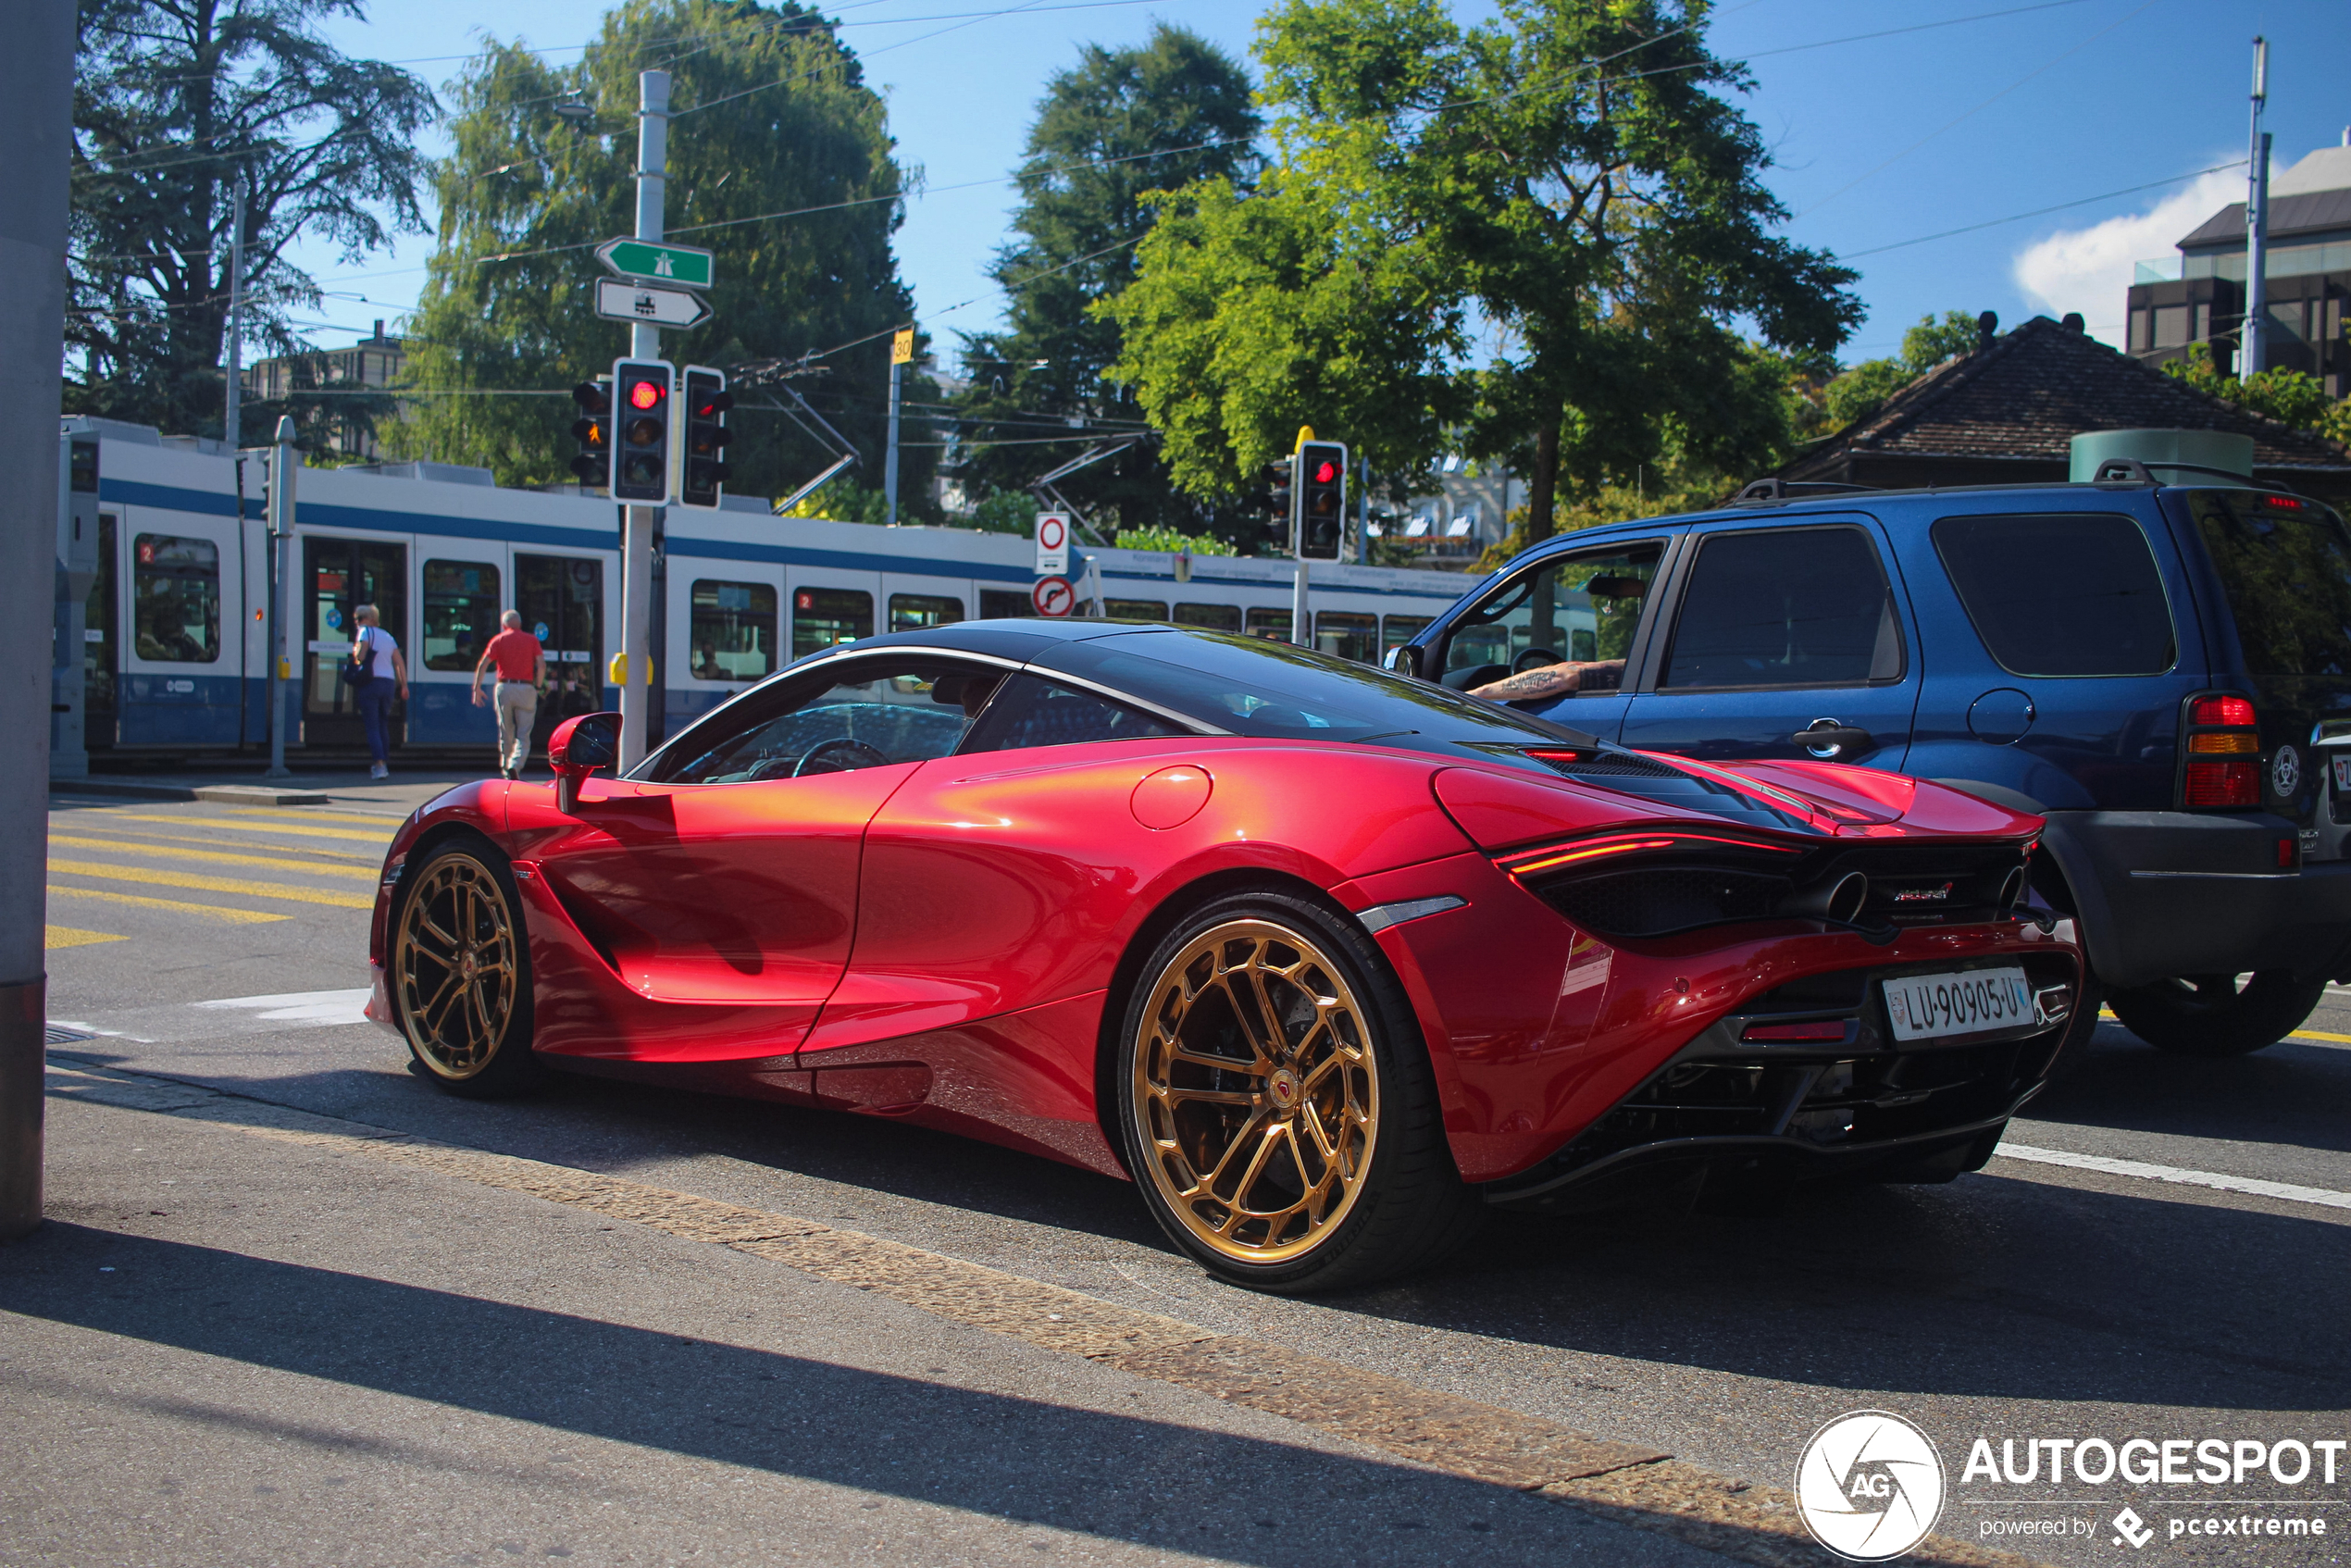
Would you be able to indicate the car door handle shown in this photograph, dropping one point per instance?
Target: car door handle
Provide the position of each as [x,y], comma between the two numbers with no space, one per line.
[1837,740]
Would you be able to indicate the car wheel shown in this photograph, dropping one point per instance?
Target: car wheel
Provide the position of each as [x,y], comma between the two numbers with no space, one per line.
[1277,1105]
[460,972]
[2213,1014]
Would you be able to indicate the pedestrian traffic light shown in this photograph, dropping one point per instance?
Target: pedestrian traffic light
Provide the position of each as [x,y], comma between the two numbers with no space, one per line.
[705,469]
[592,430]
[640,419]
[1321,500]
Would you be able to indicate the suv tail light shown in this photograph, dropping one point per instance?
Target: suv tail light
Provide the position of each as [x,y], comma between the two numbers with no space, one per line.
[2223,751]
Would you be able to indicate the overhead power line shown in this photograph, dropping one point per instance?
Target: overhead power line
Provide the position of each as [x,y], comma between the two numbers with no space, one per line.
[2041,212]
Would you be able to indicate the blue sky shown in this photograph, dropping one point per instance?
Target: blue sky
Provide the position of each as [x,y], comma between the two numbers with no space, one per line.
[1877,141]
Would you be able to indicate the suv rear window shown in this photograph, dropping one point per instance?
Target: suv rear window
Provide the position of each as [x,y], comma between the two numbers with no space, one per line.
[2285,564]
[2060,594]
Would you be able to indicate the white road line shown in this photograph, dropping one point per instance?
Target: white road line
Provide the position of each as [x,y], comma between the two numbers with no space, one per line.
[301,1007]
[2175,1174]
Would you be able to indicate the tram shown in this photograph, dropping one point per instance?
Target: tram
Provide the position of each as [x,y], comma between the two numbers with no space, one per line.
[165,569]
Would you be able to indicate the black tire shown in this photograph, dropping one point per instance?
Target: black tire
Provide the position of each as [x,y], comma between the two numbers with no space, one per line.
[1341,1071]
[457,967]
[2209,1015]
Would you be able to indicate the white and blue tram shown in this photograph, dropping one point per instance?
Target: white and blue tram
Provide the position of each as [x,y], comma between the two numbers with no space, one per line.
[162,586]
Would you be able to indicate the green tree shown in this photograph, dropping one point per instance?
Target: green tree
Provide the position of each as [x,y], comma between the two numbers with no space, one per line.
[2289,396]
[1560,193]
[1856,393]
[177,104]
[771,115]
[1115,126]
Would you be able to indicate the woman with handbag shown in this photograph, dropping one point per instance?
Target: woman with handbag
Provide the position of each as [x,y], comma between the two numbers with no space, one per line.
[378,672]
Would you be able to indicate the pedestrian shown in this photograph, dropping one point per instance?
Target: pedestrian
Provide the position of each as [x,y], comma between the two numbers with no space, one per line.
[521,664]
[382,673]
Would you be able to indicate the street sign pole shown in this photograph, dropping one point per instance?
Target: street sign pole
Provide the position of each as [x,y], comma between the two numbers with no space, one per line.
[283,461]
[644,342]
[902,351]
[36,149]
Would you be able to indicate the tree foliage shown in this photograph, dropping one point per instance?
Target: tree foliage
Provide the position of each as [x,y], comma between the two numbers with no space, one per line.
[178,103]
[1855,394]
[771,115]
[1538,236]
[2290,396]
[1118,124]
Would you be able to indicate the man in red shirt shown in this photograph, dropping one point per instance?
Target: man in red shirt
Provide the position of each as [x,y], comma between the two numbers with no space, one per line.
[522,668]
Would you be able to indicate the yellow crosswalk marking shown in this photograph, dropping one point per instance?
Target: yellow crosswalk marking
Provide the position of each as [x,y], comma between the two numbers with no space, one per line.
[131,846]
[149,835]
[311,814]
[66,936]
[241,917]
[190,820]
[161,878]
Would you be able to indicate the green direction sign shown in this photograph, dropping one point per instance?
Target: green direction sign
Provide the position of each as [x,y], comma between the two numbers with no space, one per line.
[657,260]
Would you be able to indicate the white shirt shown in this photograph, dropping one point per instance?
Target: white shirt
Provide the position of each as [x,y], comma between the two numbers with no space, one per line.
[381,645]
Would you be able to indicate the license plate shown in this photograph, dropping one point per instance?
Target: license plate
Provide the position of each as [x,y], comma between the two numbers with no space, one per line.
[1954,1006]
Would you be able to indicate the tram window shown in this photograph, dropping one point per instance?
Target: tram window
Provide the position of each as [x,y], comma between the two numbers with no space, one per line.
[1271,625]
[912,611]
[734,630]
[461,612]
[1351,634]
[175,599]
[1397,631]
[826,618]
[1136,609]
[1212,617]
[1000,603]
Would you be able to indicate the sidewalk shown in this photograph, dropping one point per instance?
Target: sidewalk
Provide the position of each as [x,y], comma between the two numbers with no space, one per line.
[398,795]
[241,1339]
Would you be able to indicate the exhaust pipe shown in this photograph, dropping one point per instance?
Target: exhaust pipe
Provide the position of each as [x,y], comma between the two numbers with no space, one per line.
[2012,891]
[1839,899]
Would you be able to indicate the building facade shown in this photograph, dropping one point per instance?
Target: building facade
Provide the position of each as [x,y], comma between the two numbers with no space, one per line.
[373,362]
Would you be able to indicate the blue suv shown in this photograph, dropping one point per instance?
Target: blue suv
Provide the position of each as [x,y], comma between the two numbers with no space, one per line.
[2163,670]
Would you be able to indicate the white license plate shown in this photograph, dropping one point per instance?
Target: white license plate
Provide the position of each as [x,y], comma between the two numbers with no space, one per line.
[1975,1002]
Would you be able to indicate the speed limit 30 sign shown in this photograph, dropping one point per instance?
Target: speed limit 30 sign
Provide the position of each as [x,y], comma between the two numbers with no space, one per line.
[1053,596]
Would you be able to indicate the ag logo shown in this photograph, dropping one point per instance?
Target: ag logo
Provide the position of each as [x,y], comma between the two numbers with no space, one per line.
[2285,771]
[1870,1486]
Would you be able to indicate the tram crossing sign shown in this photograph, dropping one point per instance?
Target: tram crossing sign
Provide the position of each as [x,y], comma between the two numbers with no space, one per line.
[1053,596]
[659,261]
[618,299]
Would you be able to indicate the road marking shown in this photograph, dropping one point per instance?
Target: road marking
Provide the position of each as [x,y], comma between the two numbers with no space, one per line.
[388,824]
[1620,1481]
[2251,1184]
[2320,1034]
[209,884]
[67,935]
[192,821]
[243,916]
[217,856]
[301,1007]
[148,836]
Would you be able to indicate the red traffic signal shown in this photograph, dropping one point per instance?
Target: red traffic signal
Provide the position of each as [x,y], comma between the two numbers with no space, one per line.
[647,395]
[703,470]
[1320,507]
[640,455]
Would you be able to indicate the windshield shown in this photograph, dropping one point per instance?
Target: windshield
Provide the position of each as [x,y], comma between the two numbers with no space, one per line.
[1275,691]
[2285,564]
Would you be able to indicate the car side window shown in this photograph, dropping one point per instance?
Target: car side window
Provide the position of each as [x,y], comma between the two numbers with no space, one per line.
[1799,606]
[1032,710]
[1574,609]
[2091,603]
[845,713]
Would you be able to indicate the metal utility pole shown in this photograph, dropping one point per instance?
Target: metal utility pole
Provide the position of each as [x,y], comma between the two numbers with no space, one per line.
[2253,337]
[231,418]
[283,463]
[36,78]
[902,351]
[644,342]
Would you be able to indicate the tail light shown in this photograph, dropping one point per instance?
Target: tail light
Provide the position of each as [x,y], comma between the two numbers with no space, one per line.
[2223,751]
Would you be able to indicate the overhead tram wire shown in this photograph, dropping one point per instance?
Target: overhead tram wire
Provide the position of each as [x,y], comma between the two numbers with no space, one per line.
[2041,212]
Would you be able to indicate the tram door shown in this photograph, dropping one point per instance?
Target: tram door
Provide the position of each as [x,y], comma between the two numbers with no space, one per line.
[337,576]
[101,660]
[562,600]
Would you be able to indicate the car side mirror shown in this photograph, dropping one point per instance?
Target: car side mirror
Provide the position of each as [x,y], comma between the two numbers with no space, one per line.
[1404,659]
[577,748]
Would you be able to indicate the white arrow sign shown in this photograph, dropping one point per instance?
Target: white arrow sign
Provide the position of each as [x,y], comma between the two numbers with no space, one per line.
[617,299]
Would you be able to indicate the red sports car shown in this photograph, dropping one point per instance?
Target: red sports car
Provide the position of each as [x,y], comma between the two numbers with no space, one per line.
[1326,958]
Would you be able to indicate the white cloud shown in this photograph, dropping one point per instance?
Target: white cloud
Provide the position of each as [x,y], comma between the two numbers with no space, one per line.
[2089,269]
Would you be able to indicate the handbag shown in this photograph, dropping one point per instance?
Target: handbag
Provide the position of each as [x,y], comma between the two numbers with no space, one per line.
[354,670]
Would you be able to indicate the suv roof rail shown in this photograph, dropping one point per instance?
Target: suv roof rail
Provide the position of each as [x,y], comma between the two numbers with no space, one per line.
[2131,471]
[1772,492]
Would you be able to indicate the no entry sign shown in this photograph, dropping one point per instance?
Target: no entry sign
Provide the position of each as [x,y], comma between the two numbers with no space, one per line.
[1052,544]
[1053,596]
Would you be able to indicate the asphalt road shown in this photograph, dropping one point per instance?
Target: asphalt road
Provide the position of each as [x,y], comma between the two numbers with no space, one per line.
[2040,1300]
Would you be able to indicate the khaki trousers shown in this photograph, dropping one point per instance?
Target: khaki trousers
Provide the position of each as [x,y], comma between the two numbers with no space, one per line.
[518,704]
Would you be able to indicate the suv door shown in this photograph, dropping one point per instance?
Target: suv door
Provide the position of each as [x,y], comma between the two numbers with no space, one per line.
[1589,607]
[1777,630]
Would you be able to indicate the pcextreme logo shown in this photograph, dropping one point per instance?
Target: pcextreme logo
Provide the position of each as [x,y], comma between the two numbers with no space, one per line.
[1870,1486]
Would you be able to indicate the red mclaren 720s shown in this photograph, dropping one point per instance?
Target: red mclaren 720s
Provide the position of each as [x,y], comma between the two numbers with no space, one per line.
[1327,960]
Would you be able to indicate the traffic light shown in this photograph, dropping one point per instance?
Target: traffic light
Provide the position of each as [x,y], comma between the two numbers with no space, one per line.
[641,419]
[592,430]
[1321,500]
[1277,488]
[705,469]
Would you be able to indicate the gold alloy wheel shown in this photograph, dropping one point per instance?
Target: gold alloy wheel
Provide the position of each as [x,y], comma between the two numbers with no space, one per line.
[1256,1091]
[453,967]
